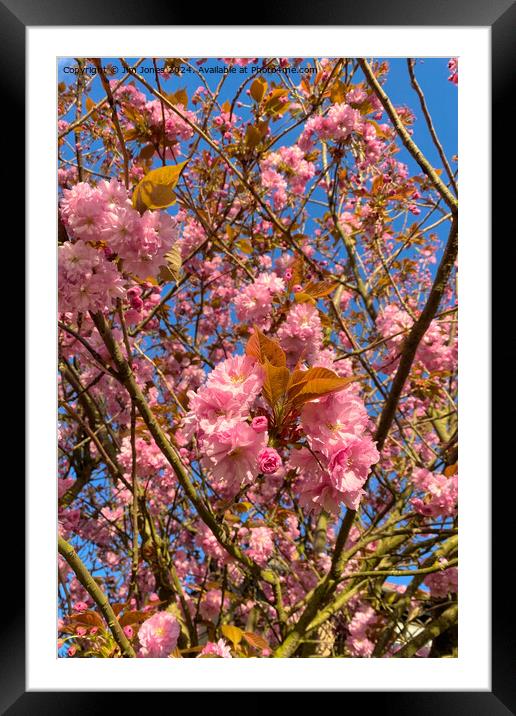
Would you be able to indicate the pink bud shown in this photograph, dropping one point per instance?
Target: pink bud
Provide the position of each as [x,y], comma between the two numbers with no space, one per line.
[260,424]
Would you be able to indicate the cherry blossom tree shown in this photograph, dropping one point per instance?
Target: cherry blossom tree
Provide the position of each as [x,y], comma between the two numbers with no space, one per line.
[257,361]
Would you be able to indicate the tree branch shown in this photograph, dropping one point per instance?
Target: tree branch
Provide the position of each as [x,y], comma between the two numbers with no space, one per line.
[90,585]
[430,124]
[416,334]
[407,139]
[447,619]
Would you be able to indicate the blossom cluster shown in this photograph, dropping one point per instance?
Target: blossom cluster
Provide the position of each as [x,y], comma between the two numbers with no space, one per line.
[441,493]
[218,417]
[339,124]
[333,469]
[443,583]
[226,418]
[286,170]
[111,245]
[453,66]
[157,117]
[253,303]
[359,630]
[435,352]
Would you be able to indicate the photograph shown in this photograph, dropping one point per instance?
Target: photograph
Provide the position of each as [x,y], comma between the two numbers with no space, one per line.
[257,327]
[260,336]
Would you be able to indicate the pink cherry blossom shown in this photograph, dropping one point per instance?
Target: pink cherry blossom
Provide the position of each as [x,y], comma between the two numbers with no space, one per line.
[442,583]
[261,544]
[219,648]
[441,493]
[232,455]
[453,66]
[158,635]
[269,461]
[301,334]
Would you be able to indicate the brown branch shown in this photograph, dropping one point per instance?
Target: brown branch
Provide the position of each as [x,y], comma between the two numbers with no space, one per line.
[416,334]
[116,121]
[361,287]
[407,140]
[77,132]
[430,124]
[134,504]
[96,356]
[90,585]
[111,463]
[403,602]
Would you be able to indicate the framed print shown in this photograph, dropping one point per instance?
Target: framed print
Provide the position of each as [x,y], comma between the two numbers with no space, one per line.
[251,353]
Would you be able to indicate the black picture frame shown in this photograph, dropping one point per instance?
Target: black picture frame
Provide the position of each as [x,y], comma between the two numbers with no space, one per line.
[500,16]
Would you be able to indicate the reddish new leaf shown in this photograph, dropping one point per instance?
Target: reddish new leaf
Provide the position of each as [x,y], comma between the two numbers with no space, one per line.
[318,289]
[275,385]
[256,641]
[133,618]
[263,348]
[88,618]
[312,384]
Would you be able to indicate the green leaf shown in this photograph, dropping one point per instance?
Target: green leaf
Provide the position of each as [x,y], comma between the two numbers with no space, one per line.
[303,297]
[298,272]
[338,92]
[147,152]
[244,246]
[275,100]
[450,470]
[180,96]
[135,617]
